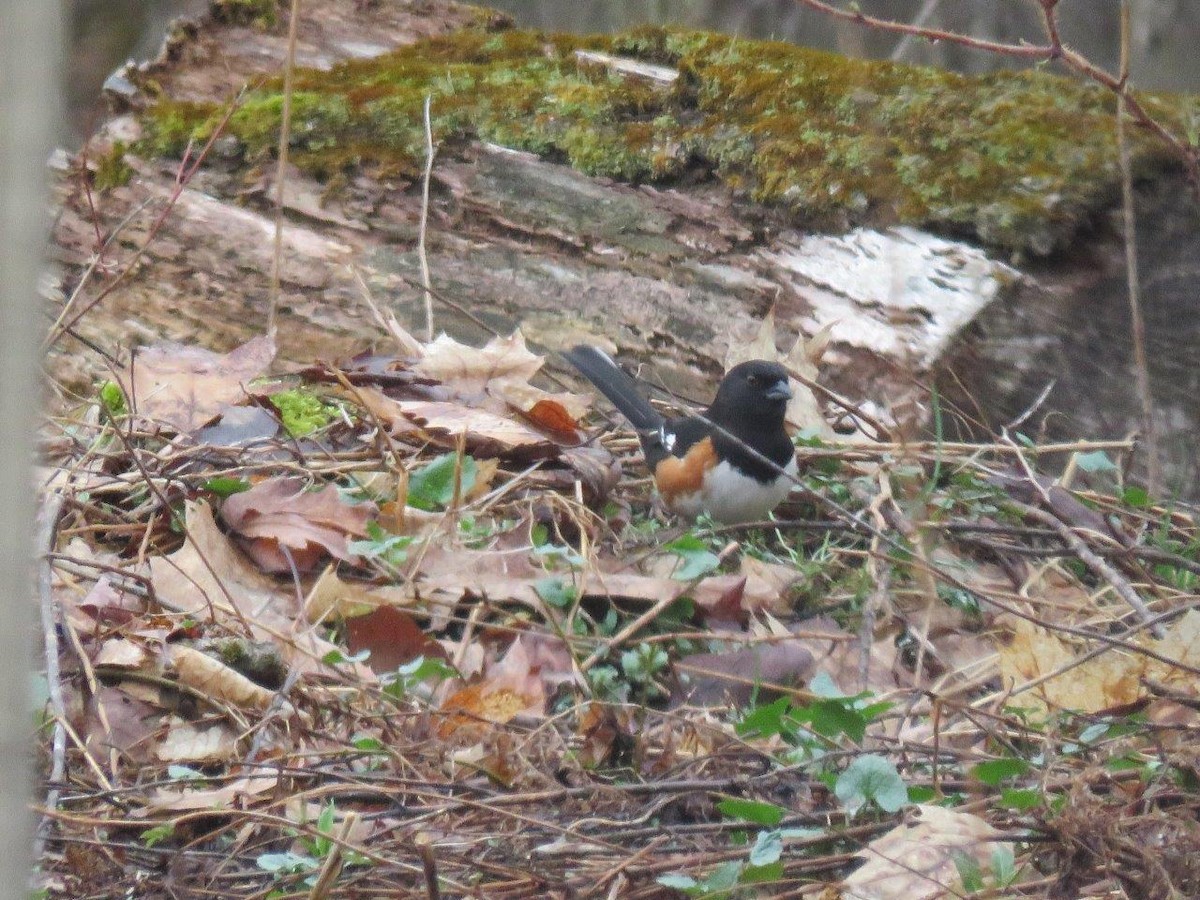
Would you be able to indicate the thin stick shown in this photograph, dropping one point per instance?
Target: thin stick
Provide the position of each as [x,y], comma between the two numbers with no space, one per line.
[421,254]
[1137,324]
[285,136]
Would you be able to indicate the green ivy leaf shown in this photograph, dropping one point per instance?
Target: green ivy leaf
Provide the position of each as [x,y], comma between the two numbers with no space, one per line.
[226,487]
[1096,461]
[697,559]
[995,771]
[768,847]
[871,778]
[751,811]
[555,592]
[432,486]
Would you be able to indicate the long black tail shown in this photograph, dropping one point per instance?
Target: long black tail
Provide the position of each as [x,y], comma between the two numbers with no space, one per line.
[621,390]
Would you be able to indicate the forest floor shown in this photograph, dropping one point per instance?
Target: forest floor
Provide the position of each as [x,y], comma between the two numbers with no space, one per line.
[410,625]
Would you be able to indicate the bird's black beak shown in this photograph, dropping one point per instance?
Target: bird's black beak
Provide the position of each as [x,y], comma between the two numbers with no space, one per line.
[779,391]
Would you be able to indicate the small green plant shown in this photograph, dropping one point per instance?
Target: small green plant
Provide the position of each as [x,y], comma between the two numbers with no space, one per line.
[1003,873]
[763,863]
[642,665]
[432,486]
[812,727]
[302,412]
[156,835]
[313,849]
[113,399]
[697,559]
[871,779]
[409,677]
[380,546]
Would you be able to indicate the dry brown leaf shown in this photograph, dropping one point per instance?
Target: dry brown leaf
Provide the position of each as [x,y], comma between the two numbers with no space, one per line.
[486,432]
[392,637]
[115,720]
[495,377]
[186,387]
[552,416]
[122,654]
[279,512]
[470,370]
[1109,681]
[916,860]
[510,688]
[207,575]
[185,743]
[233,795]
[212,678]
[735,676]
[331,596]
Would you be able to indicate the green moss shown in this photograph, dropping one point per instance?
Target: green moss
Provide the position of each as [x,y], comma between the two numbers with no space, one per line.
[259,13]
[1019,161]
[111,169]
[303,412]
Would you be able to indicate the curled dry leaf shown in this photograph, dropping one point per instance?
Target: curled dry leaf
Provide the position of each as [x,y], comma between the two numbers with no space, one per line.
[214,679]
[279,512]
[916,860]
[186,387]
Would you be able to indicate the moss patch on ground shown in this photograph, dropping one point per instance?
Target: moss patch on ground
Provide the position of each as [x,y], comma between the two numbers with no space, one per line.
[1019,161]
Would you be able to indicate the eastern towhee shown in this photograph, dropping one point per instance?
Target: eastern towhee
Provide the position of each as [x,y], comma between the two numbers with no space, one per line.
[734,462]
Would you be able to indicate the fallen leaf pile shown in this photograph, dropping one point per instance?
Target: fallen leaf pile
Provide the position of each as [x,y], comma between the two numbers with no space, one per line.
[422,601]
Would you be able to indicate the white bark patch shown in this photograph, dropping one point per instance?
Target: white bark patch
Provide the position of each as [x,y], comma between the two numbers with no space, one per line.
[901,293]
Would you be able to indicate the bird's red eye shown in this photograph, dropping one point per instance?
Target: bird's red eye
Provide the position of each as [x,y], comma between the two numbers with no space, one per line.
[752,379]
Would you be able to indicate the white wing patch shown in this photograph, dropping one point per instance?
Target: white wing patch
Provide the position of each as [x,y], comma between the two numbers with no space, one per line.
[732,497]
[667,438]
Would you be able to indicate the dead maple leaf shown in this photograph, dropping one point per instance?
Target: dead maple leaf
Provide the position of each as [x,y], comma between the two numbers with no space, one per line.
[496,376]
[510,688]
[279,512]
[186,387]
[916,860]
[1109,681]
[486,432]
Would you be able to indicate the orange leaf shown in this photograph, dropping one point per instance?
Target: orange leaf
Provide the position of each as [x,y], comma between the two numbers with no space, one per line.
[552,416]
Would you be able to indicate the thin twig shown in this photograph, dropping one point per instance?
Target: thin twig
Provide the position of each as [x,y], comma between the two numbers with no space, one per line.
[1137,324]
[285,136]
[421,252]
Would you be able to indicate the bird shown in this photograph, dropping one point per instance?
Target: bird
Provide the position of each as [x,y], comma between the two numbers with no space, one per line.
[734,462]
